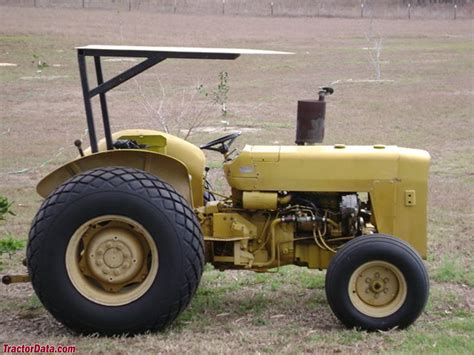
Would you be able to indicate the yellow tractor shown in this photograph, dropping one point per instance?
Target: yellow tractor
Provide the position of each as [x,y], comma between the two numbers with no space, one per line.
[121,239]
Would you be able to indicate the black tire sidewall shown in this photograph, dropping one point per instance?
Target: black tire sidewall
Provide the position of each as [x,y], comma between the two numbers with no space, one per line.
[373,248]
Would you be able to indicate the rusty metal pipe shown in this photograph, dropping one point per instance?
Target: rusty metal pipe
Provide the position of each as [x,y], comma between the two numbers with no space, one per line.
[310,121]
[310,118]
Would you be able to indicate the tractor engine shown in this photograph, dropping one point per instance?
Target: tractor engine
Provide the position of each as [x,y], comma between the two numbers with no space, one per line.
[330,218]
[310,209]
[260,230]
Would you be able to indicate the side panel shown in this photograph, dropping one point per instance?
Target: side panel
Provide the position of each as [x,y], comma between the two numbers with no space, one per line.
[169,169]
[412,200]
[311,168]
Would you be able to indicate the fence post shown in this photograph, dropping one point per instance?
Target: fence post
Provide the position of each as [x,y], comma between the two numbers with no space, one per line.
[83,3]
[129,5]
[409,11]
[271,8]
[455,11]
[362,10]
[223,7]
[34,2]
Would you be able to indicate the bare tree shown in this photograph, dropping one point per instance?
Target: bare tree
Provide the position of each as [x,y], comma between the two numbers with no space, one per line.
[375,46]
[374,49]
[179,114]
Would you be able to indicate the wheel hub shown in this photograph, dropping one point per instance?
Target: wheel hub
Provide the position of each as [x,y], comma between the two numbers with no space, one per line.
[377,288]
[114,256]
[380,285]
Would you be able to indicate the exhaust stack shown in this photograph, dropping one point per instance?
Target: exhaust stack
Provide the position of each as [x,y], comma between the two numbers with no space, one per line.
[310,119]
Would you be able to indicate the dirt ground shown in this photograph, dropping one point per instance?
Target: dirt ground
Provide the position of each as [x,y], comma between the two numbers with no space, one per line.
[423,100]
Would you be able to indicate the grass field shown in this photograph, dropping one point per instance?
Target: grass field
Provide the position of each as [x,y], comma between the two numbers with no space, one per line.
[425,100]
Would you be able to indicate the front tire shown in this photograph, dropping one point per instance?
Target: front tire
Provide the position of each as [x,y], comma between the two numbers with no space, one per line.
[377,282]
[115,250]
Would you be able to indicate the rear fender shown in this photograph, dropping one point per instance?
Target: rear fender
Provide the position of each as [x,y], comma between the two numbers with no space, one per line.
[165,167]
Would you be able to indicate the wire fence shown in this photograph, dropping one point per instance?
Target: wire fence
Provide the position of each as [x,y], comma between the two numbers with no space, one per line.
[408,9]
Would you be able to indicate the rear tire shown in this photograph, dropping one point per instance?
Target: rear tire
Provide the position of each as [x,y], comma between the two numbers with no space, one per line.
[377,282]
[115,250]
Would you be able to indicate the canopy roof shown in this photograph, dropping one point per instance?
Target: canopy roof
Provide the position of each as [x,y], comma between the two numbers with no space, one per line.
[171,52]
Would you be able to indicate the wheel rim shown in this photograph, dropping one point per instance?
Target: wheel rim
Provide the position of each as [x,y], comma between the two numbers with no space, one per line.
[112,260]
[377,289]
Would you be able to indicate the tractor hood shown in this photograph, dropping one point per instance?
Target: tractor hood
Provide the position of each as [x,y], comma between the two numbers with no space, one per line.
[324,168]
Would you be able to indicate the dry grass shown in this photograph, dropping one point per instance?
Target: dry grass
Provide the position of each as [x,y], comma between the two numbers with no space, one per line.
[427,104]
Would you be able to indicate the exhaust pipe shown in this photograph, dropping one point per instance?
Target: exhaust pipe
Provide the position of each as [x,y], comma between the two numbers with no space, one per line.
[310,119]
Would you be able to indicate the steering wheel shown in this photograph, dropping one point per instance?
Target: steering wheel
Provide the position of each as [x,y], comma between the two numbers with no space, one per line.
[221,145]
